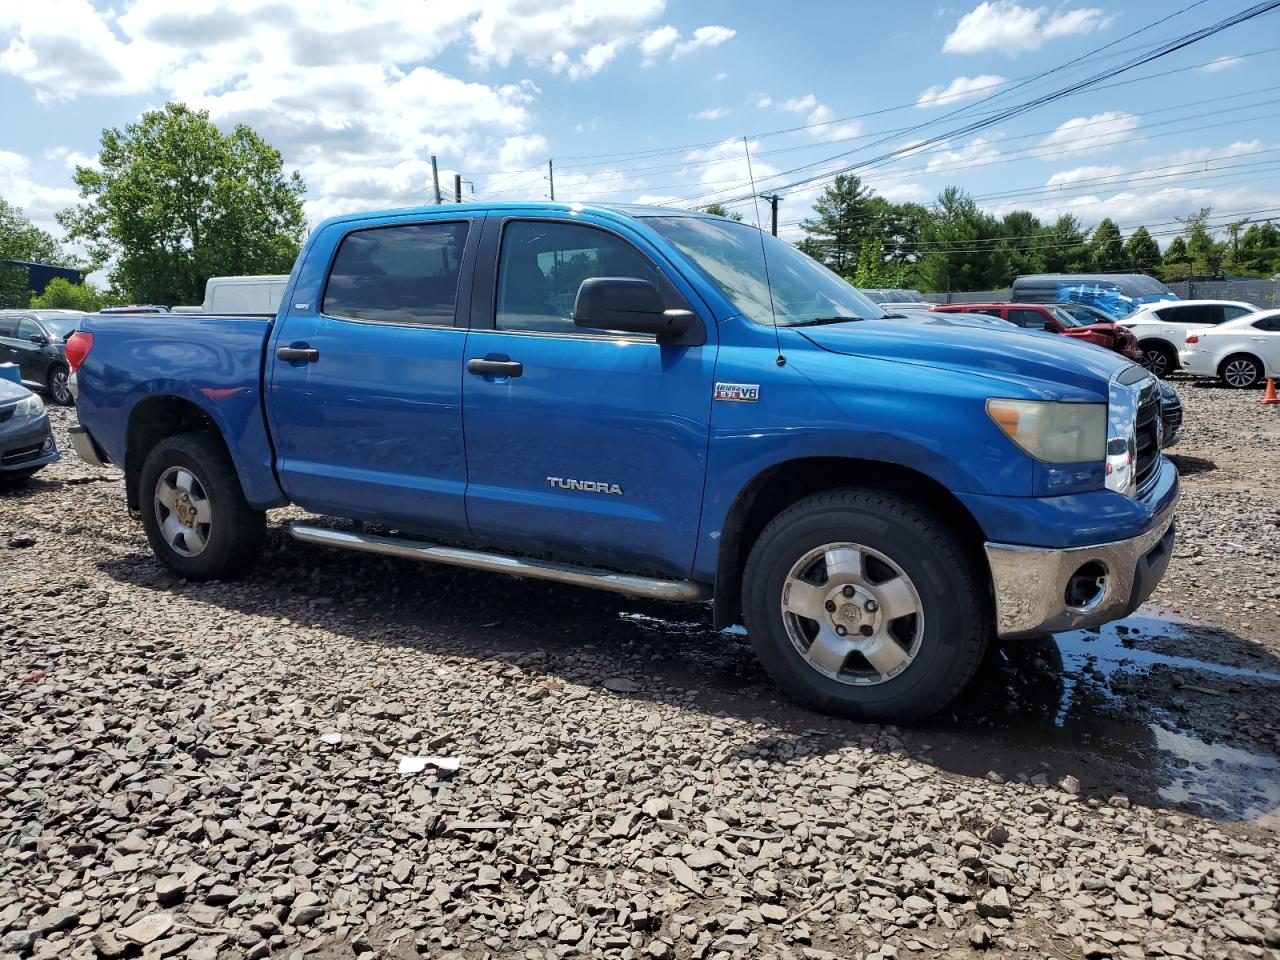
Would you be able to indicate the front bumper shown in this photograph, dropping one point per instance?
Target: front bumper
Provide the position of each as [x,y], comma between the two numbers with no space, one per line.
[86,449]
[26,445]
[1031,583]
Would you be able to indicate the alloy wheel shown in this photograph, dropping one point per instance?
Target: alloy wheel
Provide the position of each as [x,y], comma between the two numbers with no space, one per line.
[183,511]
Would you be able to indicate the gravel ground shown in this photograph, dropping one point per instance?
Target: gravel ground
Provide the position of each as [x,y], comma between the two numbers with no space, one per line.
[216,771]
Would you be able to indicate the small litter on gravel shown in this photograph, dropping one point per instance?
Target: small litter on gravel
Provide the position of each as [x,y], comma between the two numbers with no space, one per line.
[418,764]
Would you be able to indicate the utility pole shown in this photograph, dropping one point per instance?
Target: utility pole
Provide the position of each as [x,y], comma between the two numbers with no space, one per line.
[551,177]
[457,188]
[773,205]
[435,178]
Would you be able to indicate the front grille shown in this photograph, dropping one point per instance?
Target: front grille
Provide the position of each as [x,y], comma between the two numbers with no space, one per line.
[1171,414]
[1147,461]
[20,455]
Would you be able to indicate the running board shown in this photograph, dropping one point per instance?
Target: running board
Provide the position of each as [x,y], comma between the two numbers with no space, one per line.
[685,590]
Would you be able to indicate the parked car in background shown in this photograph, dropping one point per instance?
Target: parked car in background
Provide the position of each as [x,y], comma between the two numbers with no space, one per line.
[1086,313]
[36,340]
[258,295]
[1241,352]
[1118,294]
[26,440]
[1053,319]
[920,313]
[875,508]
[892,295]
[1162,328]
[135,308]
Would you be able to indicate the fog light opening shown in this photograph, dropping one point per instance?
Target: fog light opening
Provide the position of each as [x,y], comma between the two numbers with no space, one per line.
[1087,586]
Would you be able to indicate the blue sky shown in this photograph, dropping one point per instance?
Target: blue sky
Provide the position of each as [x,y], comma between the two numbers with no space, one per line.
[648,100]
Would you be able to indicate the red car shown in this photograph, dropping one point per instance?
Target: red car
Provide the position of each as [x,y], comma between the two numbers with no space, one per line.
[1053,319]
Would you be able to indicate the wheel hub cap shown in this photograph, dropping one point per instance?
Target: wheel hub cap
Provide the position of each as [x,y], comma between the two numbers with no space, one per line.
[852,614]
[183,511]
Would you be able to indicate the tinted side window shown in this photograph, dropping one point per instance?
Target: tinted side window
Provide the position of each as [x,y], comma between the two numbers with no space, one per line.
[1195,313]
[542,264]
[1031,319]
[27,329]
[8,326]
[1232,313]
[1271,324]
[403,274]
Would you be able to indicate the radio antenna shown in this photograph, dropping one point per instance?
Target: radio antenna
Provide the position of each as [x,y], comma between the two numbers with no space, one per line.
[764,256]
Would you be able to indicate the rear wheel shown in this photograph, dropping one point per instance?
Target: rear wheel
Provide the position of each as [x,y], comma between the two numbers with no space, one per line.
[1241,371]
[59,386]
[194,512]
[862,604]
[1159,358]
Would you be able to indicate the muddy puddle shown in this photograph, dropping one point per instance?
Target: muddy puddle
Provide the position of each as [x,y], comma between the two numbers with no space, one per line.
[1171,714]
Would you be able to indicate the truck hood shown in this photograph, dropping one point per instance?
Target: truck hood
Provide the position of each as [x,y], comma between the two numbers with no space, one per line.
[1051,366]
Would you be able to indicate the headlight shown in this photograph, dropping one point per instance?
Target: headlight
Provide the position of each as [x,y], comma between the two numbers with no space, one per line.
[1054,432]
[27,407]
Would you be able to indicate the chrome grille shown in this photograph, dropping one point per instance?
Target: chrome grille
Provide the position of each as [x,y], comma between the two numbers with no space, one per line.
[1147,455]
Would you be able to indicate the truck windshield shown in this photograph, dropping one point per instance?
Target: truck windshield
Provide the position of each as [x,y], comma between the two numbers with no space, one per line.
[729,253]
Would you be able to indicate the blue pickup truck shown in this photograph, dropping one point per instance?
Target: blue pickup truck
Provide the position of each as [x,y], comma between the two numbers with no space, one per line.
[655,402]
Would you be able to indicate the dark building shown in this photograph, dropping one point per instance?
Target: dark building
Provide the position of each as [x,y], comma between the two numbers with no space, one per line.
[39,274]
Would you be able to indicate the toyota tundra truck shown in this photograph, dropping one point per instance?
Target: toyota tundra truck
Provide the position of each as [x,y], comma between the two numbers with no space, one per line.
[659,403]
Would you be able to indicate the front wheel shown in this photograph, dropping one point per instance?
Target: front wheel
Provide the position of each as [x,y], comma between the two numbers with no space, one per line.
[1241,372]
[862,604]
[1159,358]
[194,512]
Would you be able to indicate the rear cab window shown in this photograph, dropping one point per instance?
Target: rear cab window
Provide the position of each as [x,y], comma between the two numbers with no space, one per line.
[399,274]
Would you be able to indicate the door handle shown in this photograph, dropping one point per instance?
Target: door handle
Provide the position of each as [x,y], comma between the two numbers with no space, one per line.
[1258,339]
[298,354]
[486,367]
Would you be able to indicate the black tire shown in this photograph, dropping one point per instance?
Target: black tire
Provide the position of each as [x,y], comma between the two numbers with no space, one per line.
[56,385]
[954,600]
[1159,358]
[233,537]
[1234,371]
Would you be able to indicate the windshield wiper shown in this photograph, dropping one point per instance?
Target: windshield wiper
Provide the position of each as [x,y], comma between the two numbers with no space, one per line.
[820,321]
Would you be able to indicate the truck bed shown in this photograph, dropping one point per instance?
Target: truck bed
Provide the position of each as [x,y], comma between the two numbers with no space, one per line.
[214,362]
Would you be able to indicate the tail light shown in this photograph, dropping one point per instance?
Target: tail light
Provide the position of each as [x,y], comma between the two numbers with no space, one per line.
[1193,339]
[78,346]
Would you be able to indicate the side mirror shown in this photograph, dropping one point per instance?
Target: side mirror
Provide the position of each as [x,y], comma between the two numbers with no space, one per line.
[39,338]
[628,305]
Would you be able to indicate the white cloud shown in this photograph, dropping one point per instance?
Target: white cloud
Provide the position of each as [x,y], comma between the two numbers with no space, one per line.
[1074,135]
[799,104]
[1199,154]
[1006,27]
[1221,63]
[961,88]
[589,64]
[39,200]
[714,113]
[978,150]
[656,41]
[535,30]
[710,36]
[1083,173]
[519,151]
[764,103]
[1132,207]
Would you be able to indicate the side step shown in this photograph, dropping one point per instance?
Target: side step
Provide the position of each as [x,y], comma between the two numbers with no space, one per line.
[685,590]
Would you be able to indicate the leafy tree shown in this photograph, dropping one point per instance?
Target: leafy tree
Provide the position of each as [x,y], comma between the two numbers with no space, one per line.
[872,271]
[1106,247]
[1141,251]
[176,201]
[1177,261]
[1021,230]
[843,216]
[20,239]
[963,251]
[1065,246]
[61,294]
[720,210]
[1260,250]
[1205,253]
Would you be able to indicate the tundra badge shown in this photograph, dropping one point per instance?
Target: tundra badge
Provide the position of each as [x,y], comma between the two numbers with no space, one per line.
[587,486]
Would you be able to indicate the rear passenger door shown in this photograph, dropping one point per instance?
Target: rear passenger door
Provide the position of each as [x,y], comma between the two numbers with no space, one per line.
[369,424]
[1028,319]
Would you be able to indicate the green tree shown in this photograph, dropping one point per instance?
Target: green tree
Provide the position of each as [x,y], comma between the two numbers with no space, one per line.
[1106,247]
[1021,230]
[1141,251]
[62,294]
[842,217]
[20,239]
[176,201]
[720,210]
[1205,253]
[963,250]
[1176,261]
[1065,246]
[873,272]
[1260,250]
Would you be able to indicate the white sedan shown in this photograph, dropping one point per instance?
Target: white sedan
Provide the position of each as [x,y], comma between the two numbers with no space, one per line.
[1161,327]
[1242,352]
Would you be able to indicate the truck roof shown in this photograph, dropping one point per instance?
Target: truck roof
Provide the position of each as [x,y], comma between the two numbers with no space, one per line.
[616,209]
